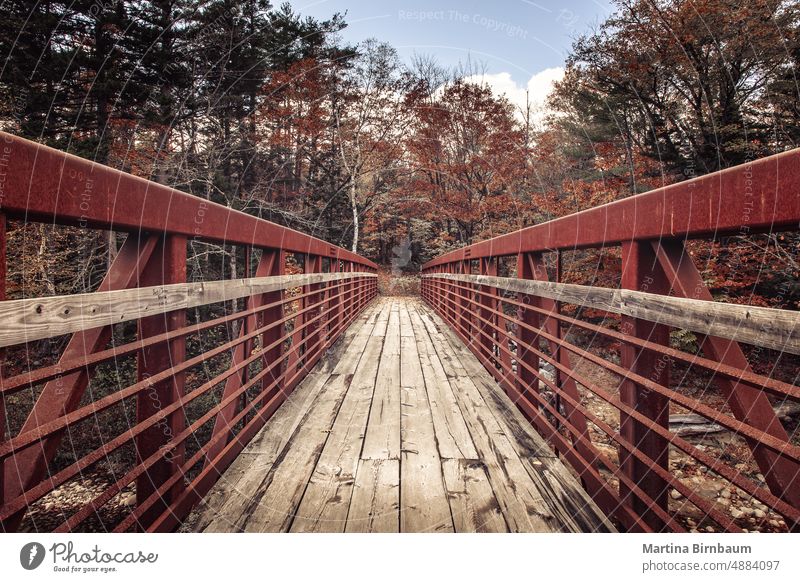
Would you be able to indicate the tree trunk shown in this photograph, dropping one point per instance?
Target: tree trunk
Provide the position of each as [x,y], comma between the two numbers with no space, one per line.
[354,206]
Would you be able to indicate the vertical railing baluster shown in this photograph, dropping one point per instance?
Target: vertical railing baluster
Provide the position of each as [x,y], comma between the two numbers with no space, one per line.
[246,327]
[640,272]
[2,353]
[747,403]
[316,302]
[488,267]
[351,267]
[276,261]
[334,303]
[167,266]
[527,375]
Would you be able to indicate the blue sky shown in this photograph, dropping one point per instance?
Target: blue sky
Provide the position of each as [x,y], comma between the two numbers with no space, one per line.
[521,44]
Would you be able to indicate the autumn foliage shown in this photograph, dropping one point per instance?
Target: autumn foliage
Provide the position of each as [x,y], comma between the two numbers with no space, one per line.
[266,111]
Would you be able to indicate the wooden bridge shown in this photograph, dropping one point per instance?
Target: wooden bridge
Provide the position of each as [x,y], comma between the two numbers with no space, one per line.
[298,399]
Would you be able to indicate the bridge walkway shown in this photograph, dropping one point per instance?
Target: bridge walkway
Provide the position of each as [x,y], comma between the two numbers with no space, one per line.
[401,429]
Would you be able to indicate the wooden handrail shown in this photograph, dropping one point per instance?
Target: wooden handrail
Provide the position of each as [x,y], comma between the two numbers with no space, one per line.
[777,329]
[27,320]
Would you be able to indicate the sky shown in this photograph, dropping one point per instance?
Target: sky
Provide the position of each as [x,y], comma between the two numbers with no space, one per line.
[520,45]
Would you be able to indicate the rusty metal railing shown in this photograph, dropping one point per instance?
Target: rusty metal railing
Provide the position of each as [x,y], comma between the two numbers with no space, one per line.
[601,392]
[201,387]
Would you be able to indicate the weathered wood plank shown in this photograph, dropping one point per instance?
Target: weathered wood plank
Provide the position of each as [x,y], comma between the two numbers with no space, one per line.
[423,502]
[519,498]
[777,329]
[239,484]
[315,473]
[473,504]
[272,508]
[451,431]
[273,505]
[382,440]
[26,320]
[326,501]
[562,494]
[375,506]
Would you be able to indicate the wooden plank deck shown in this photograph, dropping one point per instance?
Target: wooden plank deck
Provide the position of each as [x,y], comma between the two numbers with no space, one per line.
[400,429]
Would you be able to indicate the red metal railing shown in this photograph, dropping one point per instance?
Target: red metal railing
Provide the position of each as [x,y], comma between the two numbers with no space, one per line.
[547,357]
[204,384]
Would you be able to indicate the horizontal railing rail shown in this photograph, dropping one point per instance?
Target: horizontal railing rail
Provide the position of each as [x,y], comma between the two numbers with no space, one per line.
[45,185]
[603,393]
[152,416]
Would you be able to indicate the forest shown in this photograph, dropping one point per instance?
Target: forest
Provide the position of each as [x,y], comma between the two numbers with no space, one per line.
[270,112]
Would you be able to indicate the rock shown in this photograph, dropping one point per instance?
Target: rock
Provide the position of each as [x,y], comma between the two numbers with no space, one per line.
[685,425]
[786,410]
[708,488]
[759,514]
[547,374]
[725,493]
[675,494]
[724,502]
[128,500]
[548,367]
[760,477]
[735,513]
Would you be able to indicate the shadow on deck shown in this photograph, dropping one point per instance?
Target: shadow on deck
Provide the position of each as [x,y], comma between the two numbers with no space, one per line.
[398,429]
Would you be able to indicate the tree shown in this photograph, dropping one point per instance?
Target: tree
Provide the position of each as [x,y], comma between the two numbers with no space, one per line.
[468,154]
[682,79]
[371,116]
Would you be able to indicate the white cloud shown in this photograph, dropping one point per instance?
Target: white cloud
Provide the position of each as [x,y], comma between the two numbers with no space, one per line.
[536,90]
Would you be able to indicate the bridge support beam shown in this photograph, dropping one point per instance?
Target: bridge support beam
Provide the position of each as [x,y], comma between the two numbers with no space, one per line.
[640,272]
[274,264]
[563,382]
[334,305]
[747,403]
[463,316]
[314,303]
[268,265]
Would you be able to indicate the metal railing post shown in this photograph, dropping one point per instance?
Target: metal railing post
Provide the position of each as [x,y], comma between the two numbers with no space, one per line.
[640,272]
[167,266]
